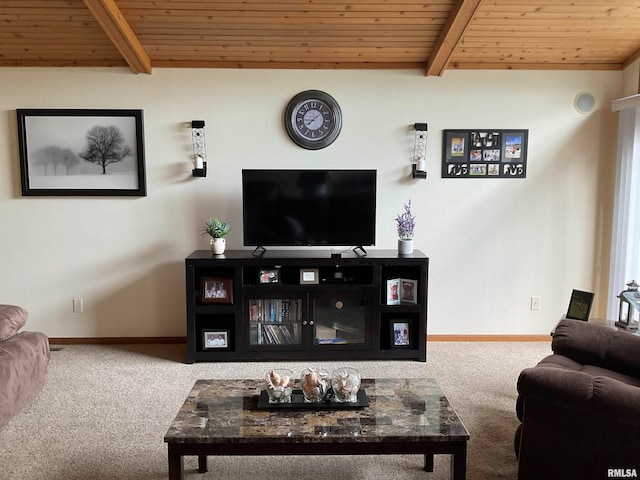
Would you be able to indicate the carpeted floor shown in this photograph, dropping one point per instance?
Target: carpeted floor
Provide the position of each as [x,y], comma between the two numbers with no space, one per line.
[105,410]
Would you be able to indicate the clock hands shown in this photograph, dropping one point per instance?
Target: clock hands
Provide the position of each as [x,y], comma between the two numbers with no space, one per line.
[308,119]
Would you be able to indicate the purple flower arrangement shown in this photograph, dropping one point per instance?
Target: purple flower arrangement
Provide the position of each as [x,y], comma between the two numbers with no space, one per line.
[406,223]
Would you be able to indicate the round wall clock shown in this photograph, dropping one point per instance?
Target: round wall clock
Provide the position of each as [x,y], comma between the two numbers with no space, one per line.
[313,119]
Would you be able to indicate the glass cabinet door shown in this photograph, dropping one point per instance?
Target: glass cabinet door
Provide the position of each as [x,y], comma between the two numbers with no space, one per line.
[275,321]
[340,319]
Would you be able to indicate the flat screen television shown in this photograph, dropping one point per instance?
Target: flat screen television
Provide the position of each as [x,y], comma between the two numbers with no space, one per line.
[309,207]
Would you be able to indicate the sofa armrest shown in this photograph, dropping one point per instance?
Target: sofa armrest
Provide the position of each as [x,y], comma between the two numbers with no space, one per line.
[593,344]
[602,396]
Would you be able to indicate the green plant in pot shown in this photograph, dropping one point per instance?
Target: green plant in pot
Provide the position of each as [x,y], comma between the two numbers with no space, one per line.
[217,228]
[406,224]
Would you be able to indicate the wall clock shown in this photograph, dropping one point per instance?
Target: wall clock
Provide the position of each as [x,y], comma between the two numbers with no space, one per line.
[313,119]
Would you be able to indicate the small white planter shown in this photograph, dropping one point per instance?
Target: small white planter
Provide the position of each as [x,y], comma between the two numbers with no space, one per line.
[218,245]
[405,247]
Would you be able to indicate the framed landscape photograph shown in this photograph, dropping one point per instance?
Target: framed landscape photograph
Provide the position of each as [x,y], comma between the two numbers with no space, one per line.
[215,339]
[81,152]
[217,290]
[400,334]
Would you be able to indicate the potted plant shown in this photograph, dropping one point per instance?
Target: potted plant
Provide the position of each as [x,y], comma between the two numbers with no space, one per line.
[217,228]
[406,225]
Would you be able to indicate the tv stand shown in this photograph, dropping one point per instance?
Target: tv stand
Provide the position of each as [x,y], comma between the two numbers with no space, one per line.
[306,305]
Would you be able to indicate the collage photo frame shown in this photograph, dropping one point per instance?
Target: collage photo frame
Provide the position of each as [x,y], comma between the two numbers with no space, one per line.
[484,153]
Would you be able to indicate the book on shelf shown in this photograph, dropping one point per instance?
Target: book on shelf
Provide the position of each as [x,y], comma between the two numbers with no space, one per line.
[274,310]
[275,334]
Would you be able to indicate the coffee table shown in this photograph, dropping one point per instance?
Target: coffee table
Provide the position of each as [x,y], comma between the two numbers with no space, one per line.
[404,416]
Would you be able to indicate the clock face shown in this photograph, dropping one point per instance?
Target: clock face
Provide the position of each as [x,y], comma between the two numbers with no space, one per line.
[313,119]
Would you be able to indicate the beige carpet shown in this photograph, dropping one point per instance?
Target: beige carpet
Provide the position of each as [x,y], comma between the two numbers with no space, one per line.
[105,410]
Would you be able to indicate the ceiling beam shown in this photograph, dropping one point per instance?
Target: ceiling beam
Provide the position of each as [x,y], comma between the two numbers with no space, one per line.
[110,18]
[457,24]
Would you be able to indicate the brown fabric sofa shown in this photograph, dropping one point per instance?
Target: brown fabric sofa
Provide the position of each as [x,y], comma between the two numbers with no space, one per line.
[580,407]
[24,359]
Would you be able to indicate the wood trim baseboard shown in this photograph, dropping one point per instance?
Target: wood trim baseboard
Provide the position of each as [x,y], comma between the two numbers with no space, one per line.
[488,338]
[115,340]
[173,340]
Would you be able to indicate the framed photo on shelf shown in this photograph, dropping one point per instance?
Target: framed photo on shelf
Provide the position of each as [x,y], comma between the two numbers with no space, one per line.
[212,339]
[269,275]
[408,291]
[81,152]
[217,290]
[393,291]
[400,334]
[309,276]
[402,290]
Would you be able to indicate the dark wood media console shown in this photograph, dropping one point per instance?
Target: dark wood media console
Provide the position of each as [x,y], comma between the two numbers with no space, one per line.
[305,305]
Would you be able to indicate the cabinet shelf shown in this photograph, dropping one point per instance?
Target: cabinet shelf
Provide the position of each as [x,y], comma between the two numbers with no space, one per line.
[343,316]
[210,308]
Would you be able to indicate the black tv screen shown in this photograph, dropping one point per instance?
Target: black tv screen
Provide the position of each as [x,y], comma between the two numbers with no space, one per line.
[309,207]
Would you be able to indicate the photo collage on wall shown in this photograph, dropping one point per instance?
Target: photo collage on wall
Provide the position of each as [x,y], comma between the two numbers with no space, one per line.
[484,153]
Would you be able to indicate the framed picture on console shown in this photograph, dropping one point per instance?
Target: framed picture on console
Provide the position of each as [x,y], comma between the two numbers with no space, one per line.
[217,290]
[269,275]
[400,334]
[81,152]
[393,291]
[309,276]
[402,290]
[408,291]
[215,339]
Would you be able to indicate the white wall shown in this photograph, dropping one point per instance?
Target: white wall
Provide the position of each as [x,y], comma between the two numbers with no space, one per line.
[631,80]
[492,243]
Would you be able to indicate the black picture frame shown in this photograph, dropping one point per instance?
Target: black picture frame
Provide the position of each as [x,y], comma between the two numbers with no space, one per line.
[215,339]
[579,305]
[63,152]
[485,153]
[217,290]
[400,331]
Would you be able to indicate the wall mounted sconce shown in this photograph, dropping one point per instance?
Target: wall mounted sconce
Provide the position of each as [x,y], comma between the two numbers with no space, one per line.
[199,148]
[419,164]
[629,304]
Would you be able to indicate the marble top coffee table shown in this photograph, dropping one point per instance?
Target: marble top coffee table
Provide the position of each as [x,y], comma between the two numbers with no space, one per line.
[404,416]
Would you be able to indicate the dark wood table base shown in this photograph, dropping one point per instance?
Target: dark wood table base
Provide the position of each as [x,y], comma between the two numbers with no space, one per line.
[457,450]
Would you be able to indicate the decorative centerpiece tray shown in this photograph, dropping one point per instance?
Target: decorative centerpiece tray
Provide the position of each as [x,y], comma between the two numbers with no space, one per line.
[298,403]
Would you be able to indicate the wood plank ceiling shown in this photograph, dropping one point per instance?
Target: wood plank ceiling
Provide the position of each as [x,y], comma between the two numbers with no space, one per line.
[321,34]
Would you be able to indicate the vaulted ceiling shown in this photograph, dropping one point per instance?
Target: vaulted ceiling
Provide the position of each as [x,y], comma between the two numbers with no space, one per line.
[321,34]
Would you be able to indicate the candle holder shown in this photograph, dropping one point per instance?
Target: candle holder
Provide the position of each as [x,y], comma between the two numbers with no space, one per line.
[418,168]
[199,148]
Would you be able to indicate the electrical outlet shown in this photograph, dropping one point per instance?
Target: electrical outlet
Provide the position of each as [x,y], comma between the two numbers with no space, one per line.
[78,306]
[535,303]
